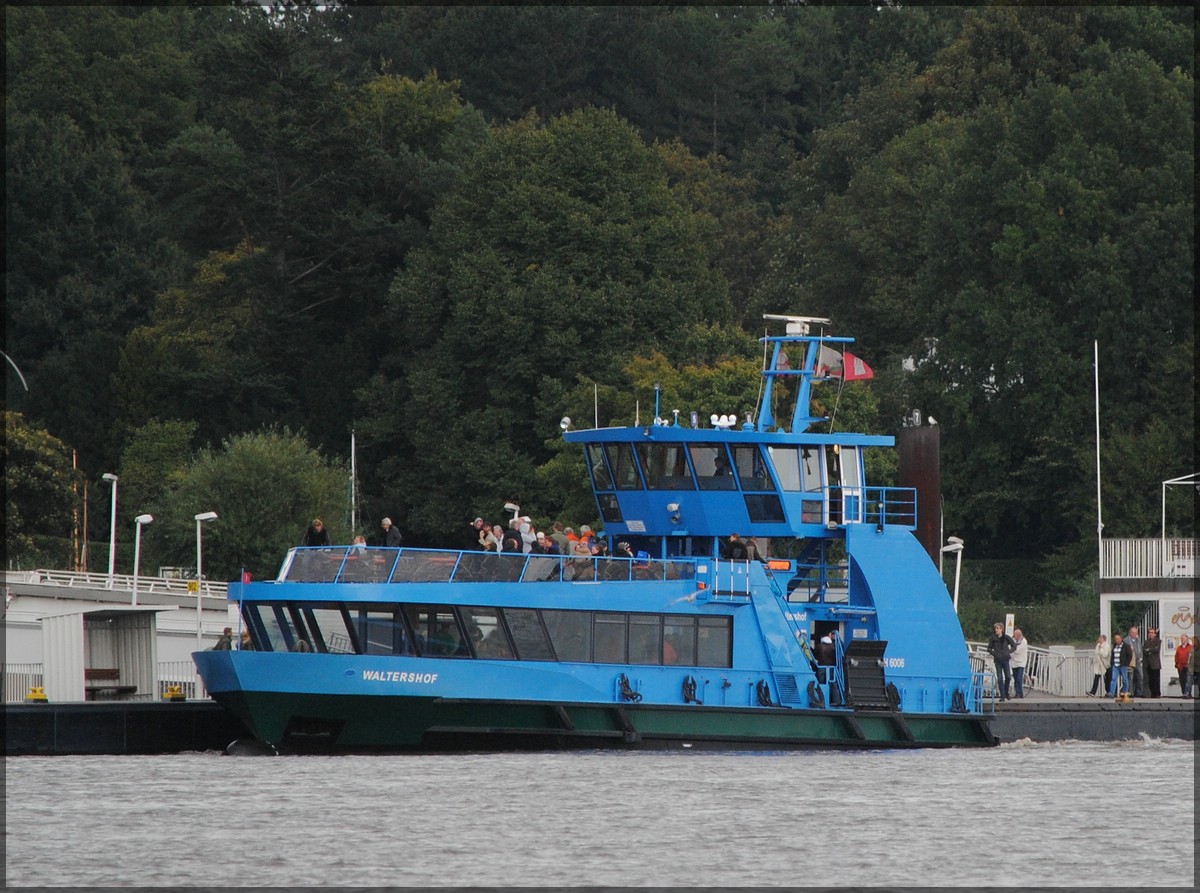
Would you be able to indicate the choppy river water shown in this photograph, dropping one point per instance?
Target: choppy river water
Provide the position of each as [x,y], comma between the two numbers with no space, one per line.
[1058,814]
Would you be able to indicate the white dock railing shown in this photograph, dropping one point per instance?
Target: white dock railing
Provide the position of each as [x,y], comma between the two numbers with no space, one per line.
[146,585]
[1046,671]
[1147,558]
[20,678]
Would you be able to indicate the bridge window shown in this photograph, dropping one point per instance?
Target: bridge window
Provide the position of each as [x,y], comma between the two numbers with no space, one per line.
[787,468]
[624,468]
[712,466]
[595,458]
[751,468]
[610,508]
[665,466]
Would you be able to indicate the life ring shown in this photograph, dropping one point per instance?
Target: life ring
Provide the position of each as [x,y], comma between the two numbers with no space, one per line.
[816,697]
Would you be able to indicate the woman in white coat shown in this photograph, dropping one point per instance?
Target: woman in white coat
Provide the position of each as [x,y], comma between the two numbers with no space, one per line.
[1101,655]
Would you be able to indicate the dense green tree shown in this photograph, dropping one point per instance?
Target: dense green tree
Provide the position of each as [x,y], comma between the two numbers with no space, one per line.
[41,491]
[563,250]
[265,489]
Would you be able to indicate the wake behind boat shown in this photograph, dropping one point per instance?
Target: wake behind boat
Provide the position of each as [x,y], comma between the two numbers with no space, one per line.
[850,641]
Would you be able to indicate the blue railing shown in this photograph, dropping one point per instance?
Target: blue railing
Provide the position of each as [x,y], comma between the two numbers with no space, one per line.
[363,564]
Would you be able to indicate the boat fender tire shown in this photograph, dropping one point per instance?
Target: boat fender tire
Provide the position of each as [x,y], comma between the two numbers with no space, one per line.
[893,695]
[764,694]
[816,697]
[689,691]
[958,702]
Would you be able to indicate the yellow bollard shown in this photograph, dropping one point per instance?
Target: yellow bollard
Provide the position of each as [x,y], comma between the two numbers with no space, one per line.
[37,695]
[174,693]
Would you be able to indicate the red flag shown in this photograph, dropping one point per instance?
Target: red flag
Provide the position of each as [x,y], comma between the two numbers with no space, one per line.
[855,369]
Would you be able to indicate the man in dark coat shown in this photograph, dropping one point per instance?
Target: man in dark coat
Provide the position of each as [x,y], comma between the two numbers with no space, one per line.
[391,534]
[1000,647]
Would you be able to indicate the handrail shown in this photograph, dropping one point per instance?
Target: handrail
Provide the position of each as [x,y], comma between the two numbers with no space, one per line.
[1144,558]
[124,582]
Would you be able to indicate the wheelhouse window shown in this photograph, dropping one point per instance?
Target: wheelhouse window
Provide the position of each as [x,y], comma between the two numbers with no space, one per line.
[595,458]
[624,468]
[665,466]
[712,465]
[751,467]
[787,468]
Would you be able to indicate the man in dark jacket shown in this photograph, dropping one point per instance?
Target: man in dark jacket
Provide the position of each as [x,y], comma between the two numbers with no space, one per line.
[391,534]
[1000,647]
[1152,662]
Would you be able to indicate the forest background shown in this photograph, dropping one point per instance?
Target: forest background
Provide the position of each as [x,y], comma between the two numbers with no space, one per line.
[237,235]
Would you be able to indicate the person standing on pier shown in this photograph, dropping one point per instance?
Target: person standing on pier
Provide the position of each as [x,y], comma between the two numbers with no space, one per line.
[1137,678]
[1152,662]
[1122,657]
[1182,652]
[1101,658]
[1194,667]
[1020,657]
[1000,647]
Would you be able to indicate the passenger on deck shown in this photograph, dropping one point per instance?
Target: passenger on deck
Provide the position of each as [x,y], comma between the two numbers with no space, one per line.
[477,534]
[494,538]
[752,552]
[391,534]
[826,651]
[735,550]
[360,542]
[225,643]
[316,535]
[302,645]
[246,644]
[559,537]
[624,550]
[512,542]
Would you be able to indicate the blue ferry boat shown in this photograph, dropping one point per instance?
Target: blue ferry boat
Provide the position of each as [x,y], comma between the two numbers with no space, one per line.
[842,635]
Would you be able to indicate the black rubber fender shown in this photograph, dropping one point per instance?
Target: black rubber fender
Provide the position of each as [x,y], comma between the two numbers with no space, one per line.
[893,695]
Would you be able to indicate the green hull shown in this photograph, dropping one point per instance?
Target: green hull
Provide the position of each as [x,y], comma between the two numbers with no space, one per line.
[319,723]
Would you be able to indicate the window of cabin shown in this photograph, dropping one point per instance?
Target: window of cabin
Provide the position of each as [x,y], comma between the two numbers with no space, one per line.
[609,638]
[600,475]
[665,466]
[571,633]
[488,636]
[712,465]
[624,468]
[714,642]
[528,635]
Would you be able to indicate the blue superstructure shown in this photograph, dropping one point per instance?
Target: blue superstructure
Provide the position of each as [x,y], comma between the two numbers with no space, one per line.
[841,634]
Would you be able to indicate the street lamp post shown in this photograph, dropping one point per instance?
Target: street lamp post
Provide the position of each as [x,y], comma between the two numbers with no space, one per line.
[955,545]
[112,528]
[200,519]
[141,521]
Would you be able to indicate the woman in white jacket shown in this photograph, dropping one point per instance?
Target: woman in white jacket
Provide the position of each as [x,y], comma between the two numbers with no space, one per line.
[1101,655]
[1018,660]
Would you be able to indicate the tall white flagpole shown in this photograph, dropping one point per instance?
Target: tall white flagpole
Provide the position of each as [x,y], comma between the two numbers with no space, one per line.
[1099,513]
[353,488]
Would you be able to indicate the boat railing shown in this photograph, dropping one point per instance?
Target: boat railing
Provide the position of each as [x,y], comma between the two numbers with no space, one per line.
[894,506]
[369,564]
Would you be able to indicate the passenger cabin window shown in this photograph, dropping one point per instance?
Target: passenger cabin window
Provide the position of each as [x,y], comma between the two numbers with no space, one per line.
[417,630]
[665,466]
[712,465]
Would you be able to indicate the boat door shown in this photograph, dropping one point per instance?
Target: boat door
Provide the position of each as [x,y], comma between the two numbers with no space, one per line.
[852,486]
